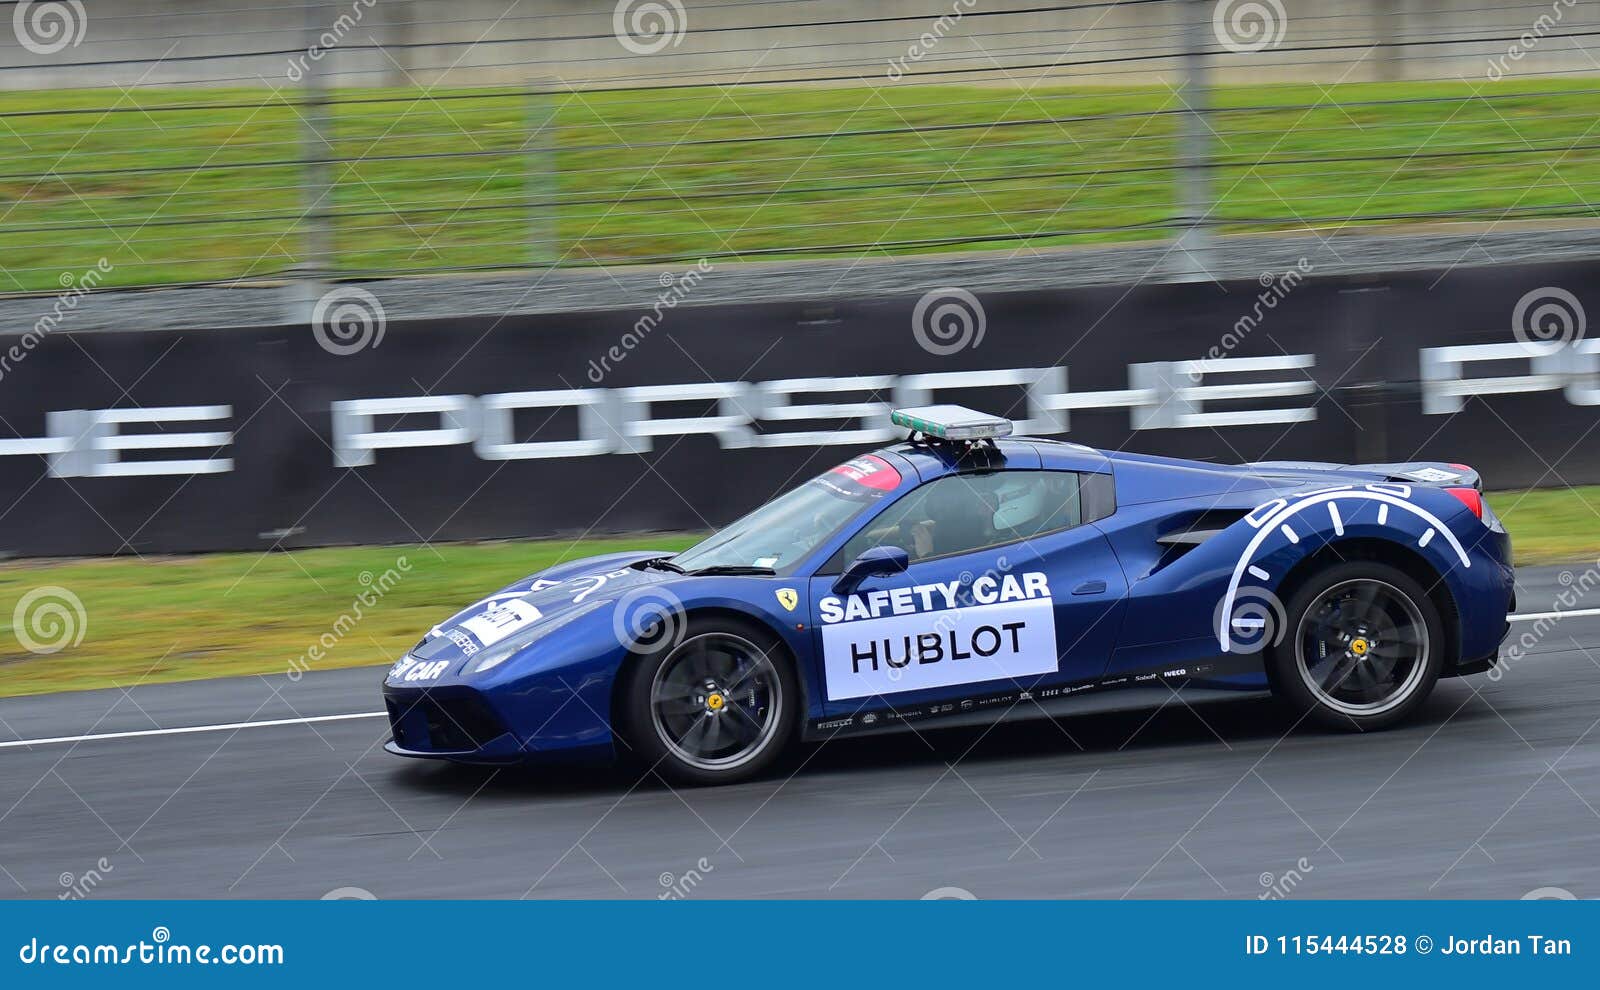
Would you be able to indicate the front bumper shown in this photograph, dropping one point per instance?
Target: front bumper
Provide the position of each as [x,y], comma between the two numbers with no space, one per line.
[449,723]
[528,720]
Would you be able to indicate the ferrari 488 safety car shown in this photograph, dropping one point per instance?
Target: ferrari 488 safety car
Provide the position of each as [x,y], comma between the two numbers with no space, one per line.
[968,576]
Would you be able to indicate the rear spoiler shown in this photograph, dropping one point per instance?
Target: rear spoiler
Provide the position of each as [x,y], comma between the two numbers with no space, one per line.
[1436,474]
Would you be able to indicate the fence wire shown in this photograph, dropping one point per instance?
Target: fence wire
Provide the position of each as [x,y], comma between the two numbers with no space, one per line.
[251,140]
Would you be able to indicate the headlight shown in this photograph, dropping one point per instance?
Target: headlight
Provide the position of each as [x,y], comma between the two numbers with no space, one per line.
[539,630]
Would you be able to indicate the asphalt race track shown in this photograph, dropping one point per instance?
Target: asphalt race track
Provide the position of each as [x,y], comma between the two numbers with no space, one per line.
[1493,793]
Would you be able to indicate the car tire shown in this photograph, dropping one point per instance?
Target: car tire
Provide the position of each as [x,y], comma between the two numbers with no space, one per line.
[717,703]
[1362,647]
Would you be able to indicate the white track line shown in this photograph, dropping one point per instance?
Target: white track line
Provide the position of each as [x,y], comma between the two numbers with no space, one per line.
[1568,614]
[232,726]
[185,730]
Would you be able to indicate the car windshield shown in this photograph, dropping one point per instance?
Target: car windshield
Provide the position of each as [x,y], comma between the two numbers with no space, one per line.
[787,529]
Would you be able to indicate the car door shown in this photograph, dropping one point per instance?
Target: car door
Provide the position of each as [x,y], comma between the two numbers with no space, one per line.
[1006,590]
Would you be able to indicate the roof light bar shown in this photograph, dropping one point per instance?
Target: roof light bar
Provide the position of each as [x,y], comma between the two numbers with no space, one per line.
[951,423]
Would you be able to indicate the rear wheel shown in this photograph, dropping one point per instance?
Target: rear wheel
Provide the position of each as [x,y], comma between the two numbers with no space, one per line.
[717,705]
[1363,647]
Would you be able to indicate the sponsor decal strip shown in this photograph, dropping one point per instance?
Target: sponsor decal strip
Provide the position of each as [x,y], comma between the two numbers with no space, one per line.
[1177,677]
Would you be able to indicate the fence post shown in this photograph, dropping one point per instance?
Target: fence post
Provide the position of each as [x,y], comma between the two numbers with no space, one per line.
[1388,21]
[316,237]
[543,180]
[1191,256]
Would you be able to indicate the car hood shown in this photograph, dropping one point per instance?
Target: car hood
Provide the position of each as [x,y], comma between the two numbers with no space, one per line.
[517,612]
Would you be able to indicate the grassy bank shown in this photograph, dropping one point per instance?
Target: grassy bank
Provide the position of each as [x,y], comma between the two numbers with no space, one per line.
[1552,525]
[169,619]
[181,618]
[452,180]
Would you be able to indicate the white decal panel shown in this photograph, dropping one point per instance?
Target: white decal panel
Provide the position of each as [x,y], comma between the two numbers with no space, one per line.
[908,639]
[501,621]
[1432,475]
[410,670]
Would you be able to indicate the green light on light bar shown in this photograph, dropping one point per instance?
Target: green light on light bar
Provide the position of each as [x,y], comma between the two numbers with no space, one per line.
[951,423]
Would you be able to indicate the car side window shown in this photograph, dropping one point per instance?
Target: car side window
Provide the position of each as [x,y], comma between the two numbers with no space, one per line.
[965,512]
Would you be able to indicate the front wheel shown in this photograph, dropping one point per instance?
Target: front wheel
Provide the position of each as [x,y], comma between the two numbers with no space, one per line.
[716,706]
[1362,649]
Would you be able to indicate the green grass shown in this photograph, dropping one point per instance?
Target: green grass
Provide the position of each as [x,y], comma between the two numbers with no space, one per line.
[181,618]
[170,619]
[1552,525]
[624,176]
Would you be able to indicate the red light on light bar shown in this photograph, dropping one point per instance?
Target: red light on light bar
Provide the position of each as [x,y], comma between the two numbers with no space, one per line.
[1471,498]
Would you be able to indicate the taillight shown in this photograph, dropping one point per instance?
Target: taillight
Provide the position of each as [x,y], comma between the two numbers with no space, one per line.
[1471,498]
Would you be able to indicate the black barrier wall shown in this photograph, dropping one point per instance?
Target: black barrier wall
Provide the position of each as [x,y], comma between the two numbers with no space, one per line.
[599,422]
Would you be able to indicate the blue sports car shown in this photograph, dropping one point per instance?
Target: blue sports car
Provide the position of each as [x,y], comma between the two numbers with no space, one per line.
[966,575]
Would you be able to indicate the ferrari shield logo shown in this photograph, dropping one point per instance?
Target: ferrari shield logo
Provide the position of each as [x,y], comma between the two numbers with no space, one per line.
[787,598]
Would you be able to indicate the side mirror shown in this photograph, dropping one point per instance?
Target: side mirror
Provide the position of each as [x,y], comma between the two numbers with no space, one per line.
[876,562]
